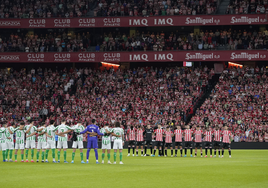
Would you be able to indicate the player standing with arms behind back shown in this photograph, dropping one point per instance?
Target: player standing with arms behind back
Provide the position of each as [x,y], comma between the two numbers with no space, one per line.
[158,140]
[106,143]
[131,139]
[139,139]
[168,141]
[30,140]
[217,140]
[78,141]
[208,141]
[148,139]
[51,143]
[3,144]
[188,140]
[226,141]
[10,141]
[118,141]
[178,140]
[198,140]
[20,136]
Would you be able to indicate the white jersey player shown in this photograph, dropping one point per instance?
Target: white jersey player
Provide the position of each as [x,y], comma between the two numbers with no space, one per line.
[51,143]
[118,141]
[20,136]
[62,131]
[30,140]
[10,142]
[41,142]
[3,144]
[106,143]
[78,141]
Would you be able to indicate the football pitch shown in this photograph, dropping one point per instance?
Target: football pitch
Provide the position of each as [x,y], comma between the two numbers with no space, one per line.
[246,168]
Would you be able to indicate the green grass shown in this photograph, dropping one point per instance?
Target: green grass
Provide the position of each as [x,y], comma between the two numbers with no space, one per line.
[246,168]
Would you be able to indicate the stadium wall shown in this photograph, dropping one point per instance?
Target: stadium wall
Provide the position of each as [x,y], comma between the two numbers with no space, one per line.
[234,145]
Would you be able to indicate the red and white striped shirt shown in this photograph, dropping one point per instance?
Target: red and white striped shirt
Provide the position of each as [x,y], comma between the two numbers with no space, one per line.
[217,135]
[188,135]
[159,134]
[198,136]
[208,136]
[178,135]
[168,136]
[139,135]
[226,136]
[131,134]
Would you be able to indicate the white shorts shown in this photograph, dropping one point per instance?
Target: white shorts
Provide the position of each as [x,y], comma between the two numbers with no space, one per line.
[78,144]
[118,144]
[51,144]
[30,144]
[10,145]
[19,146]
[62,144]
[106,146]
[3,146]
[41,145]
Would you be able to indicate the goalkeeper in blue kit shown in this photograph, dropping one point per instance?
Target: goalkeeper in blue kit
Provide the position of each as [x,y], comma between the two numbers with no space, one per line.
[92,139]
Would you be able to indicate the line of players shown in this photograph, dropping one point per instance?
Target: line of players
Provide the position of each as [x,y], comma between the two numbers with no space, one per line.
[163,140]
[46,141]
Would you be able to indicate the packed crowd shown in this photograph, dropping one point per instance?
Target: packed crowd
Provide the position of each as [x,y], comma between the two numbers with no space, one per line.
[239,100]
[247,7]
[78,8]
[139,96]
[140,41]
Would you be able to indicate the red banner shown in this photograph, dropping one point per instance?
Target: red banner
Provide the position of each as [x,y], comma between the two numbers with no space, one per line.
[140,56]
[155,21]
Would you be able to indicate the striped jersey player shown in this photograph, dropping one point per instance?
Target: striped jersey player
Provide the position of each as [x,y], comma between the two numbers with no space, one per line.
[168,141]
[178,140]
[139,139]
[208,141]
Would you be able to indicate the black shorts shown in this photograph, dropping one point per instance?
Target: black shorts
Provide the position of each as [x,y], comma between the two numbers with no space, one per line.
[148,142]
[226,145]
[169,145]
[208,144]
[188,144]
[139,143]
[178,143]
[198,144]
[217,144]
[132,143]
[158,143]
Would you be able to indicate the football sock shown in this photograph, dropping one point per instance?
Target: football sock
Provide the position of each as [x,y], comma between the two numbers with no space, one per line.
[159,152]
[133,150]
[121,156]
[109,156]
[229,152]
[82,156]
[32,153]
[88,150]
[154,151]
[128,150]
[16,156]
[181,151]
[114,157]
[58,155]
[201,153]
[195,154]
[176,151]
[219,152]
[142,152]
[26,154]
[145,150]
[53,153]
[206,151]
[185,151]
[172,152]
[37,155]
[191,151]
[102,156]
[96,154]
[65,155]
[165,152]
[10,154]
[215,152]
[151,148]
[6,154]
[222,152]
[43,155]
[47,153]
[22,155]
[137,152]
[210,151]
[73,155]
